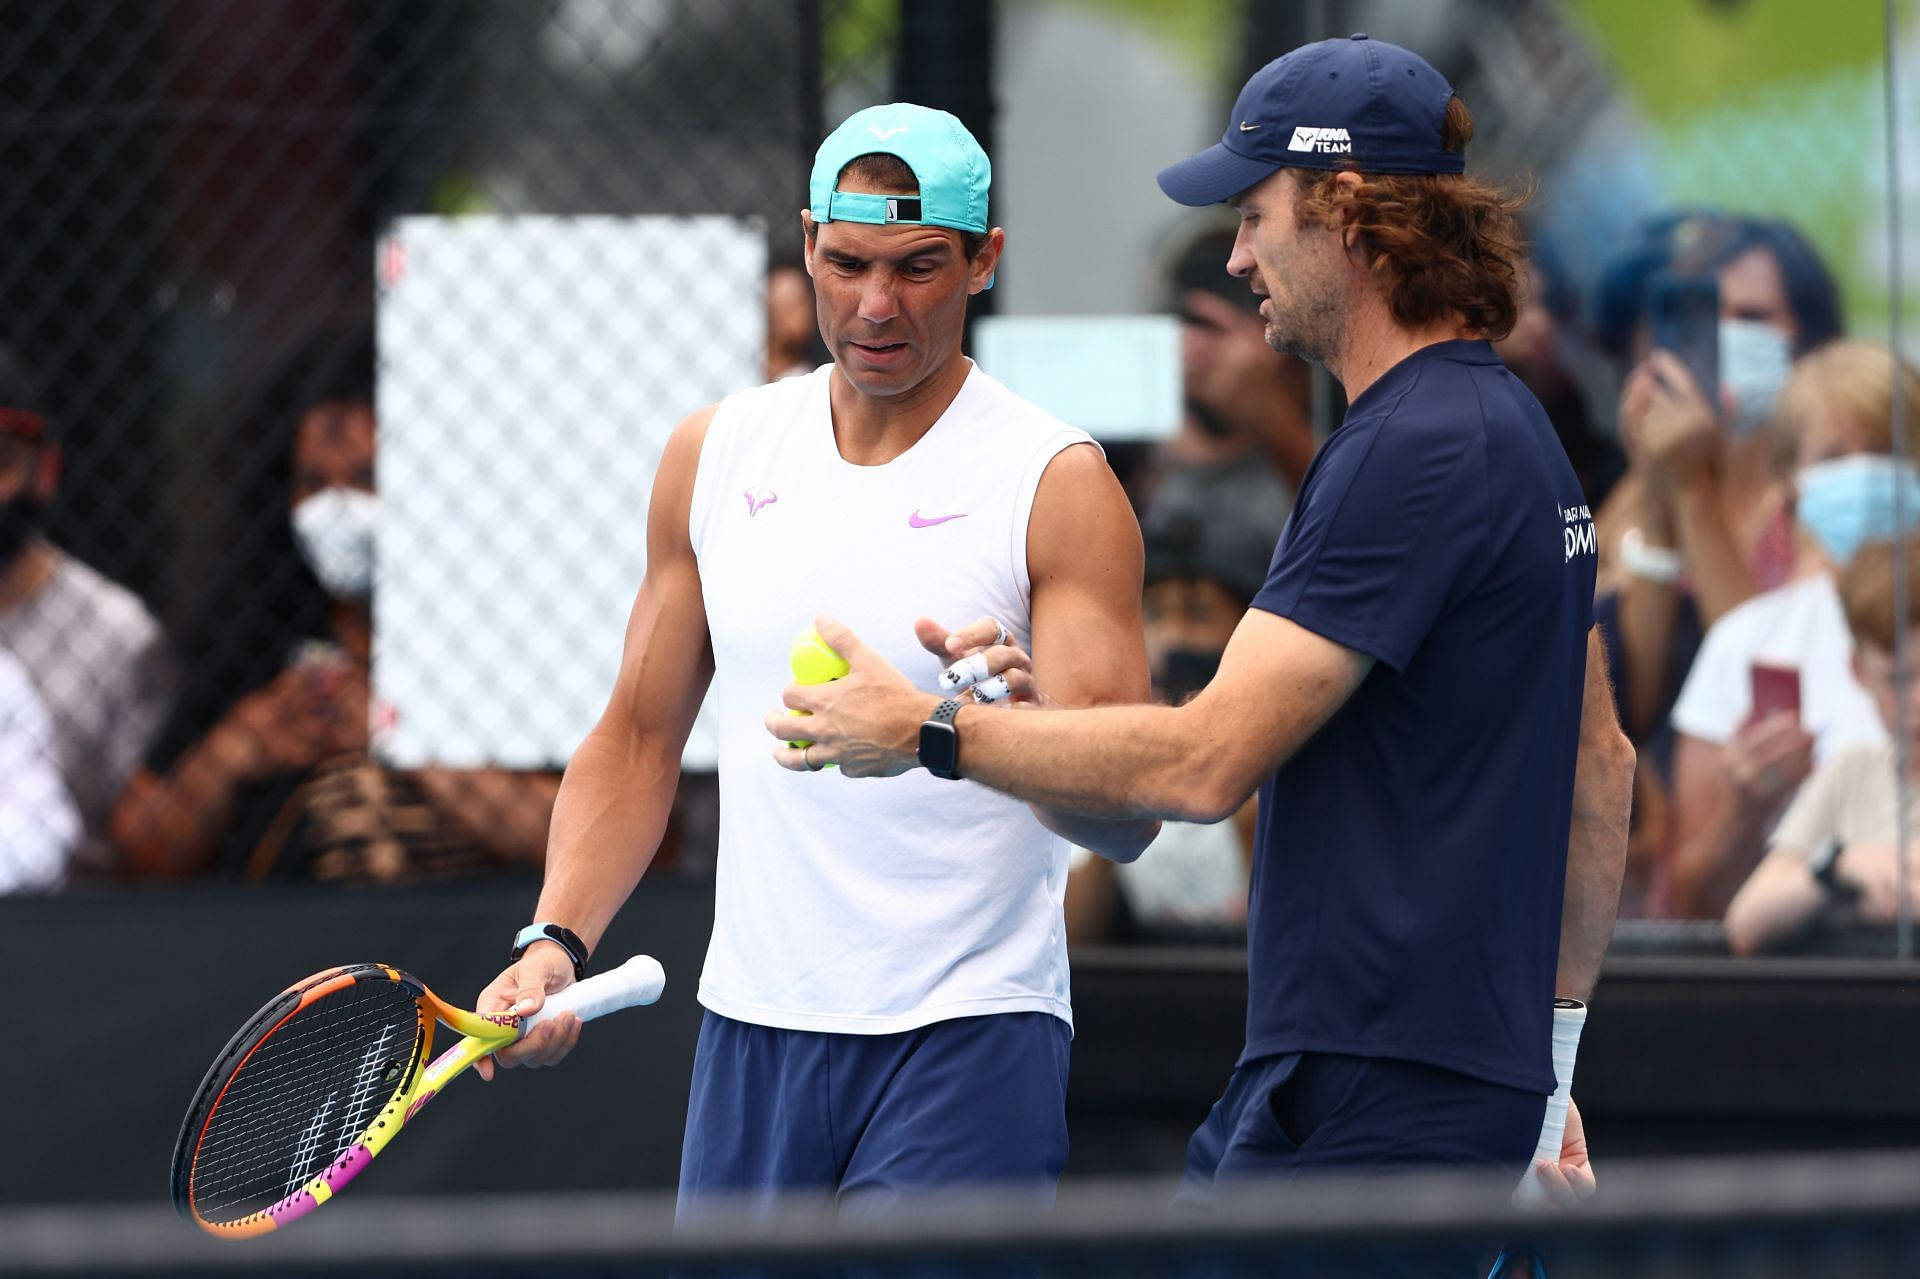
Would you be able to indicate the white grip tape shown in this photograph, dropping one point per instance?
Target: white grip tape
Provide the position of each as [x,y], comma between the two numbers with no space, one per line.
[1568,1020]
[638,981]
[964,674]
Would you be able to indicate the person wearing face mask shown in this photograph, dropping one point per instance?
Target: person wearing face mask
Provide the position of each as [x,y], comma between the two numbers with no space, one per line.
[1736,765]
[1204,566]
[1702,523]
[1699,522]
[97,660]
[279,784]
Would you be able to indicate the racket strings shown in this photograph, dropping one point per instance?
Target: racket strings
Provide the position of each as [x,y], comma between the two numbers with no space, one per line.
[303,1097]
[253,1149]
[246,1152]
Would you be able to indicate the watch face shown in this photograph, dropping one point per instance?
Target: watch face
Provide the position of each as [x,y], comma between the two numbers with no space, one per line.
[939,749]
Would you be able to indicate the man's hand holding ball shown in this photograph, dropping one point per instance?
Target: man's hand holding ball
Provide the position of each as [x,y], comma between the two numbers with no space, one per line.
[867,721]
[866,715]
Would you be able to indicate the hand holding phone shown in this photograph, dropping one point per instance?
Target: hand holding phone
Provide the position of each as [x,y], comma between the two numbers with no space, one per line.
[1683,315]
[1775,689]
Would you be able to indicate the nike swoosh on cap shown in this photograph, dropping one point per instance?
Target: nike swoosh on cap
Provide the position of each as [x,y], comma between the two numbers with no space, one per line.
[1247,128]
[917,521]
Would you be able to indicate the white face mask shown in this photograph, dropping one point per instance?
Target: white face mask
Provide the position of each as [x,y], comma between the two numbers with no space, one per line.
[1755,359]
[335,528]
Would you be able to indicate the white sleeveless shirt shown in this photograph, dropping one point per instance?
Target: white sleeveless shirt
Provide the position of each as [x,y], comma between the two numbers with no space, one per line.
[875,905]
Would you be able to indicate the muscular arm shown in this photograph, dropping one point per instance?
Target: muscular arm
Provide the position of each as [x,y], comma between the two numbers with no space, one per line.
[507,810]
[1085,562]
[1278,683]
[1597,841]
[613,801]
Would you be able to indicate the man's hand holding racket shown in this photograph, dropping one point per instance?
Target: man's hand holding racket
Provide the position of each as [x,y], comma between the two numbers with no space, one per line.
[1569,1179]
[545,969]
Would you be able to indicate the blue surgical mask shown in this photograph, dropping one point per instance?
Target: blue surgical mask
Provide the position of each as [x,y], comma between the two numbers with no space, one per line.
[1852,500]
[1754,362]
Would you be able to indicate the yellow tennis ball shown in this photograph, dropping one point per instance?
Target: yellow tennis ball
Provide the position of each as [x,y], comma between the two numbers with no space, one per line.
[813,662]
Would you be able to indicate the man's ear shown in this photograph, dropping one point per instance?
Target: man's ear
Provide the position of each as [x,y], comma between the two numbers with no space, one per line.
[810,231]
[981,270]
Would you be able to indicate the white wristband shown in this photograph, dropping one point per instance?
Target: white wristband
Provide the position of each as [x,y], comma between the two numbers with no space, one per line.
[1569,1017]
[1659,564]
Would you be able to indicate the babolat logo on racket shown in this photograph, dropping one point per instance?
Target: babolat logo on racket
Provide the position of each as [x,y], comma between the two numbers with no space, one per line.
[1308,138]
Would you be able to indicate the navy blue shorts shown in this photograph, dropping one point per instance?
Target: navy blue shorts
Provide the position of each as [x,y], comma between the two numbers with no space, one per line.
[1319,1111]
[872,1117]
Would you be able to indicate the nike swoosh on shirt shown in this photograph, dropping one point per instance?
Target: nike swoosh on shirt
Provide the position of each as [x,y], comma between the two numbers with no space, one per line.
[916,521]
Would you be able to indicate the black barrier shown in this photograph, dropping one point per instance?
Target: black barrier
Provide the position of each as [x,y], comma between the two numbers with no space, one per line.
[1680,1056]
[1857,1216]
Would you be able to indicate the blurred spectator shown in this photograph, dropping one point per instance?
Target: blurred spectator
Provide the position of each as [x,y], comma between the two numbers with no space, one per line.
[96,657]
[1203,569]
[1736,765]
[278,783]
[1541,351]
[1701,521]
[1833,860]
[793,332]
[38,823]
[1245,439]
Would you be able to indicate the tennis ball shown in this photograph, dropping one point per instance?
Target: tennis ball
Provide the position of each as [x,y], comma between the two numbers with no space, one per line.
[813,663]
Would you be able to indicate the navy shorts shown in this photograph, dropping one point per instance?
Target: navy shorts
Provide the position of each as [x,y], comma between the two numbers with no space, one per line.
[1319,1111]
[872,1117]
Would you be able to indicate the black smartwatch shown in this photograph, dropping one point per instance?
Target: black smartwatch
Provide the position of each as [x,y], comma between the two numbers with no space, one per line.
[1824,866]
[565,938]
[940,742]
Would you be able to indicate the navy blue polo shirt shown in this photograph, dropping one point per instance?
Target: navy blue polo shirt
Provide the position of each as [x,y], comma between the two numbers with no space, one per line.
[1411,855]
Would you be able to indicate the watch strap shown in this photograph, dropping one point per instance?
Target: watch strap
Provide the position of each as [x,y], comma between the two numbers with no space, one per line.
[942,722]
[561,936]
[1824,866]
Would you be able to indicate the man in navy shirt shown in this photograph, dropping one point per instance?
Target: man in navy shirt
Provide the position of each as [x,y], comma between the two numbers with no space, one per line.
[1416,691]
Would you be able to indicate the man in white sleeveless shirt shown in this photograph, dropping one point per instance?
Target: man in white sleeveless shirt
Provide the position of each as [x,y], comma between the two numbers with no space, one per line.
[886,986]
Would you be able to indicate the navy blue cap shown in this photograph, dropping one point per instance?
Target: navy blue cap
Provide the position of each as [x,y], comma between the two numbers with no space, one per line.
[1337,104]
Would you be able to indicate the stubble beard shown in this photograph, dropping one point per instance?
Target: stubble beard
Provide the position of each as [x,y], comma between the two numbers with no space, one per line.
[1310,328]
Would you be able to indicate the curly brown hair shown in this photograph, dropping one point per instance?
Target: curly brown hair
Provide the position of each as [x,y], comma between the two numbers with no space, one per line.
[1442,244]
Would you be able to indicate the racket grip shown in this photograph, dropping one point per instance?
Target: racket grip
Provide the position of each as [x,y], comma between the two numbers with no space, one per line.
[638,981]
[1569,1018]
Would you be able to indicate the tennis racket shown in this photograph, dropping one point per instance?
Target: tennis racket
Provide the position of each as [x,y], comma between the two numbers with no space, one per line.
[319,1081]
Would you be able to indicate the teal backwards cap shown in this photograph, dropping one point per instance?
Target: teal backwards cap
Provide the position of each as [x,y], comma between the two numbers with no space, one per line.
[952,170]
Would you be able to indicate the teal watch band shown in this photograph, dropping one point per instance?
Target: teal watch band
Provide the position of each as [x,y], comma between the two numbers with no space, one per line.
[565,938]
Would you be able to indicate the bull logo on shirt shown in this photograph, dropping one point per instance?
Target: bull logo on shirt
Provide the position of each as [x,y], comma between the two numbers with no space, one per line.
[757,498]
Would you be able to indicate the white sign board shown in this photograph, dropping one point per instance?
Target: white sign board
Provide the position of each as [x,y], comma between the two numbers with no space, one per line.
[1114,376]
[531,370]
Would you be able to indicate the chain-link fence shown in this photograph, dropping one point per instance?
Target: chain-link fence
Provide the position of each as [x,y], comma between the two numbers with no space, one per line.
[569,222]
[197,189]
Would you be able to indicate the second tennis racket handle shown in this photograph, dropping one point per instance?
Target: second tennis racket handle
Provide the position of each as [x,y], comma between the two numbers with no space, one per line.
[638,981]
